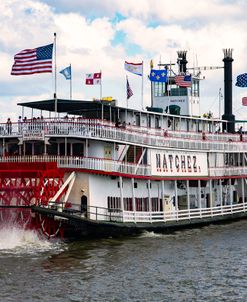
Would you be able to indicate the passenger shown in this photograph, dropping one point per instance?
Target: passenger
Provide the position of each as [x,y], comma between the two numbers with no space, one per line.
[19,124]
[240,131]
[118,123]
[9,126]
[83,204]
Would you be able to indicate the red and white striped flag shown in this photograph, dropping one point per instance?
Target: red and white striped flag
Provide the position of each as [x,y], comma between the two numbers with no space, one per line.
[30,61]
[93,78]
[183,80]
[244,101]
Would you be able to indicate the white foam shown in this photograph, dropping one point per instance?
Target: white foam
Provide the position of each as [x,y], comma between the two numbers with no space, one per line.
[17,240]
[152,235]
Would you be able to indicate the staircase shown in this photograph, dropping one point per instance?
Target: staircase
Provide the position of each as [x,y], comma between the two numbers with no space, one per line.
[133,155]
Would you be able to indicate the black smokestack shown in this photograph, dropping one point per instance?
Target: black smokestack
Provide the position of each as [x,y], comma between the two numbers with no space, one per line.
[230,127]
[182,61]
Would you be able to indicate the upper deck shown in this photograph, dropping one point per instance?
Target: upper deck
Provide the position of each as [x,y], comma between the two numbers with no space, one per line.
[103,137]
[97,129]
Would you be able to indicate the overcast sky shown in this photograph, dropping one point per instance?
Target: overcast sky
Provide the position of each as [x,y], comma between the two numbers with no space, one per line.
[96,35]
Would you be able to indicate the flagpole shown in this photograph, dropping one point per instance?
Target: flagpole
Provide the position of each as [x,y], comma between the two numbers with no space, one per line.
[127,102]
[70,82]
[142,89]
[100,84]
[55,67]
[152,98]
[169,71]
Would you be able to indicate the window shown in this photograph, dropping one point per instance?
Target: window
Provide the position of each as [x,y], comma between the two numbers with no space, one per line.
[142,204]
[156,204]
[195,88]
[114,203]
[159,89]
[128,204]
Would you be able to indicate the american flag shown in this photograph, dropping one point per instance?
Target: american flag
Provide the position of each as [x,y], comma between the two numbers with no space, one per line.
[244,101]
[129,90]
[183,80]
[30,61]
[93,78]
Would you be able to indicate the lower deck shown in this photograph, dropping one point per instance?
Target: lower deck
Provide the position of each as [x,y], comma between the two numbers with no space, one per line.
[77,224]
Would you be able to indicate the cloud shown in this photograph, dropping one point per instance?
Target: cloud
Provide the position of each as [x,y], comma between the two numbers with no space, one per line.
[99,35]
[164,10]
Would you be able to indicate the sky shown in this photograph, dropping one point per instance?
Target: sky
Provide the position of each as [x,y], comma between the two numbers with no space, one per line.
[96,35]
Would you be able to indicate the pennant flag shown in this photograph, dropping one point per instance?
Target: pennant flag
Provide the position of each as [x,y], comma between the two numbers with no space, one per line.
[66,72]
[242,80]
[30,61]
[183,80]
[129,90]
[93,78]
[244,101]
[135,68]
[158,75]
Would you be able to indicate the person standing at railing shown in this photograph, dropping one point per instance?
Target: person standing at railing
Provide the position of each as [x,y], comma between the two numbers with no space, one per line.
[240,131]
[19,125]
[9,126]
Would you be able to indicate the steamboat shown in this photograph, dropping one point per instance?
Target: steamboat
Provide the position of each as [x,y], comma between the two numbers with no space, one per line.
[99,169]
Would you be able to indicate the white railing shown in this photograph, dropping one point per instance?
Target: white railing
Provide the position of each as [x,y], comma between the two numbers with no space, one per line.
[180,215]
[100,213]
[100,164]
[74,162]
[222,171]
[138,135]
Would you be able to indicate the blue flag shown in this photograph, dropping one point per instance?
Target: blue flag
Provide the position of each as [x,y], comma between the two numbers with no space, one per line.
[242,80]
[66,72]
[158,75]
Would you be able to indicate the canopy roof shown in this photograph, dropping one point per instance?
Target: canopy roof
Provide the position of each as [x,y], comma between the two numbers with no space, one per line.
[68,106]
[91,109]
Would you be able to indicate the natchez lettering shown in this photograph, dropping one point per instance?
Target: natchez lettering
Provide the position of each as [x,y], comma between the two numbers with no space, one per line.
[178,163]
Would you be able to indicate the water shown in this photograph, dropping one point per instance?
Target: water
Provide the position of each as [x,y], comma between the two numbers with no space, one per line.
[207,264]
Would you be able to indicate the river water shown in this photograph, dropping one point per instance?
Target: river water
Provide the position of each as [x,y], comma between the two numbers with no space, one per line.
[206,264]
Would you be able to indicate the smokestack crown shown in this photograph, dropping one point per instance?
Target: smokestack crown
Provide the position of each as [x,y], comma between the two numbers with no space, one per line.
[182,61]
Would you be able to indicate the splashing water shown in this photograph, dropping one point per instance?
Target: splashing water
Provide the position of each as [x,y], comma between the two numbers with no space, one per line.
[151,234]
[17,240]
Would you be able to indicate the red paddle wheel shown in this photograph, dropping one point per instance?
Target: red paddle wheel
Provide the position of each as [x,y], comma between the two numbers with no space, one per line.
[25,184]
